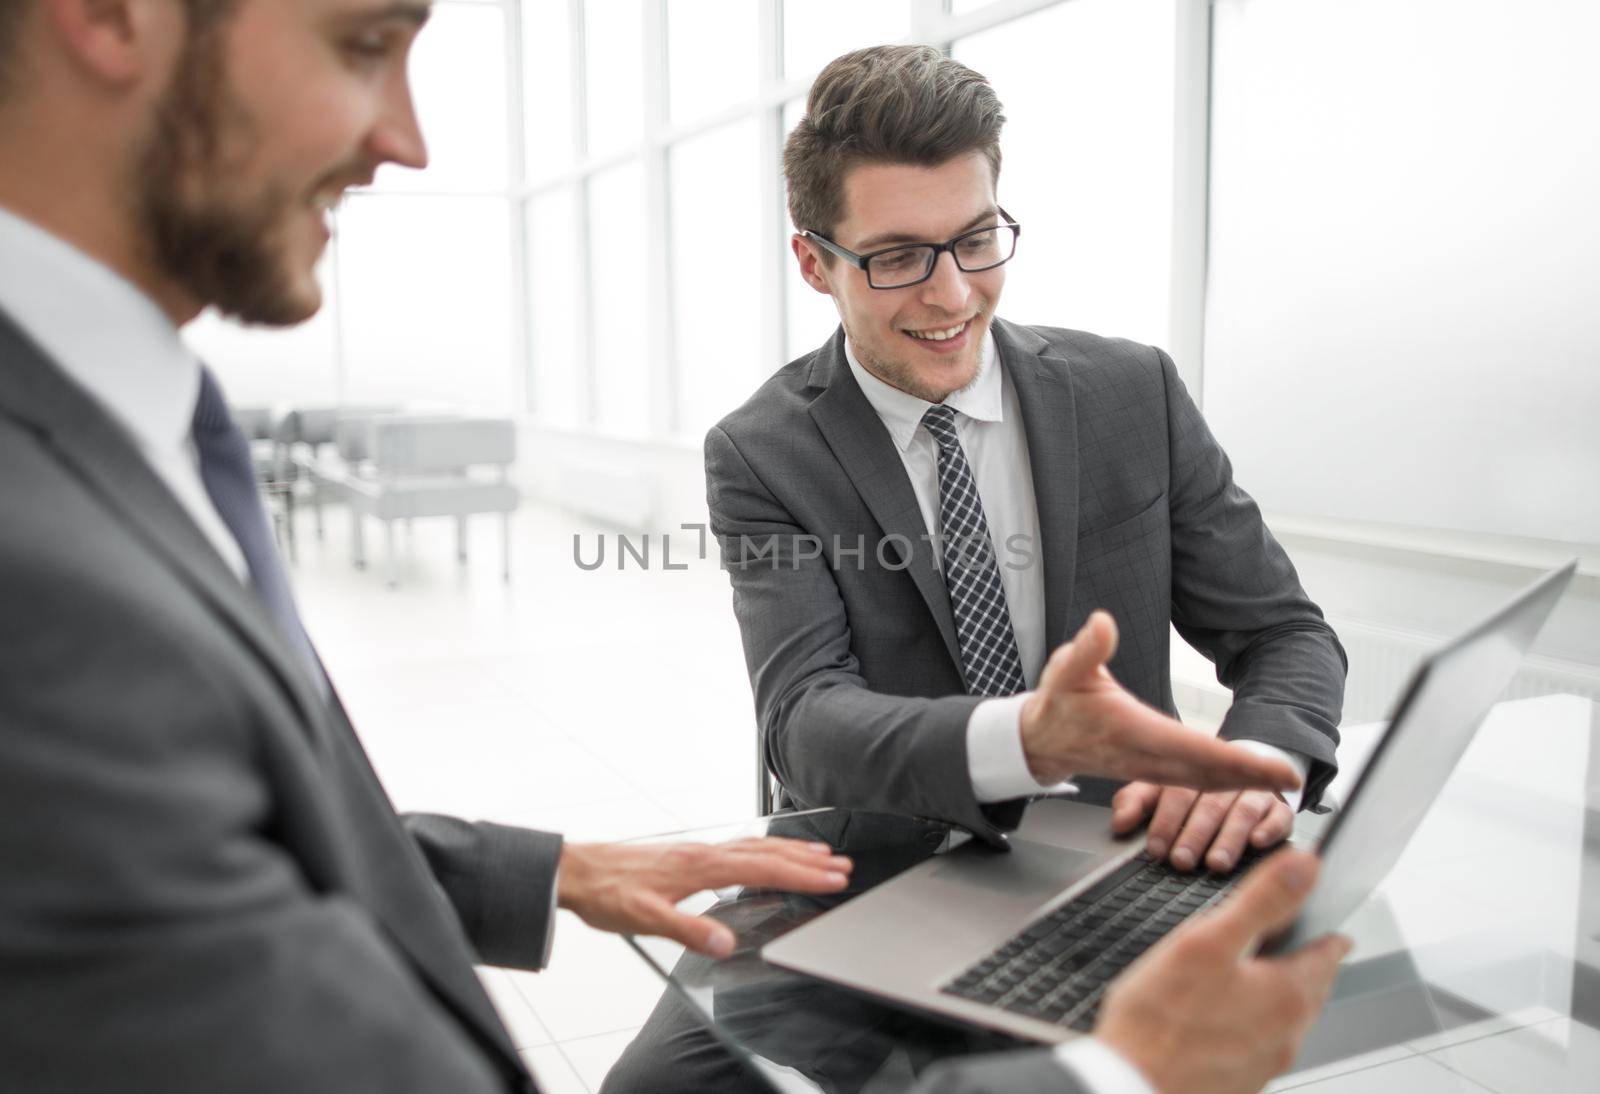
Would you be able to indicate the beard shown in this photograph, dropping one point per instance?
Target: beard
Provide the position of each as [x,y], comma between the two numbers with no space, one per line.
[226,248]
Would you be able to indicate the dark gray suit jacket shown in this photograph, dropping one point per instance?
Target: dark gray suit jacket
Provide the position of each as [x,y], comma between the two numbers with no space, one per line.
[202,884]
[853,655]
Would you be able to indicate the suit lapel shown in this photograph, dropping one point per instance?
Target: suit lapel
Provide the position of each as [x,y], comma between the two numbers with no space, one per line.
[863,447]
[1044,390]
[106,459]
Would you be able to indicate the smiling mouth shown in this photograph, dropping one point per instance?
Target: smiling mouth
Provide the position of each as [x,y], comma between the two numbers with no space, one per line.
[327,201]
[331,192]
[323,206]
[939,334]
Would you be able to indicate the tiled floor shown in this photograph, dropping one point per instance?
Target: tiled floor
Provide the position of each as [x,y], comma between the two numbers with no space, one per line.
[605,705]
[1533,1052]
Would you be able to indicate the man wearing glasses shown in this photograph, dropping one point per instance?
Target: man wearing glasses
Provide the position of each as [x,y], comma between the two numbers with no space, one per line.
[916,514]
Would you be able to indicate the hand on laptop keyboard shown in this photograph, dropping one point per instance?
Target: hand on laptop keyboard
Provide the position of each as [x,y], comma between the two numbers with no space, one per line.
[1187,827]
[1202,1013]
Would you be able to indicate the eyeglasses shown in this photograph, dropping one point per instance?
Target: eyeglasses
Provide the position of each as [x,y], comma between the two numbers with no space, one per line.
[912,264]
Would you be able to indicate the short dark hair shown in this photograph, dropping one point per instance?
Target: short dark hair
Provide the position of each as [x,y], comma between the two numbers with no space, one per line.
[886,104]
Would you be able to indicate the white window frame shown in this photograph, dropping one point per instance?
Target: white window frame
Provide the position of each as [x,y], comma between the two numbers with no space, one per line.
[930,22]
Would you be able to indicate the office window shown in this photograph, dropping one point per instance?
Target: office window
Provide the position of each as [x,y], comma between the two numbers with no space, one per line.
[554,315]
[458,73]
[613,45]
[611,345]
[1088,90]
[712,56]
[817,31]
[548,125]
[717,254]
[426,308]
[620,352]
[1401,322]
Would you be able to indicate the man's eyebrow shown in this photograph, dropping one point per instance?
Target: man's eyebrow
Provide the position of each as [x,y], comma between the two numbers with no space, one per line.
[891,238]
[415,12]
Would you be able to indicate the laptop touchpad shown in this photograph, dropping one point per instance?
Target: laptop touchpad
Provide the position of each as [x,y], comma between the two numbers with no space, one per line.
[1029,872]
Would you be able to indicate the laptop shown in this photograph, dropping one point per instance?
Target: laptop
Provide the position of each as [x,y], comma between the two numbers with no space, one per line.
[1025,942]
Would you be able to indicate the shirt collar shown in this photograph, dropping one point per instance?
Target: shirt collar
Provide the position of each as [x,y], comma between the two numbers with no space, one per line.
[902,412]
[101,331]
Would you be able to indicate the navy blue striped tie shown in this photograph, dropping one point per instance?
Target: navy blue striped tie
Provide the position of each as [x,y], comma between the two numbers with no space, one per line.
[229,477]
[989,658]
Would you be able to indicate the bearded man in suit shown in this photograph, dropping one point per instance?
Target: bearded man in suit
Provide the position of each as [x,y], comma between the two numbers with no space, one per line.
[205,887]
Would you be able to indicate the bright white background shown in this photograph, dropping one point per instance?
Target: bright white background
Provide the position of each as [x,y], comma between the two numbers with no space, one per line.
[1389,228]
[1404,289]
[601,252]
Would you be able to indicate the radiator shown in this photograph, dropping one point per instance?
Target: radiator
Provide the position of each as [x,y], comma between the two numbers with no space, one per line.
[614,494]
[1381,661]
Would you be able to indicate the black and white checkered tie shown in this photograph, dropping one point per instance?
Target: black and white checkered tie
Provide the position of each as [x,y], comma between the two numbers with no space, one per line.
[989,657]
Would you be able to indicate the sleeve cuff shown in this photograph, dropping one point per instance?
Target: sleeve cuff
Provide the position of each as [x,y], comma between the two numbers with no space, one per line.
[550,917]
[995,760]
[1301,765]
[513,922]
[1101,1069]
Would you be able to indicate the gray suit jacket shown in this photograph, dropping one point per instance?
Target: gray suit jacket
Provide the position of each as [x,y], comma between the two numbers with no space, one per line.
[853,655]
[202,884]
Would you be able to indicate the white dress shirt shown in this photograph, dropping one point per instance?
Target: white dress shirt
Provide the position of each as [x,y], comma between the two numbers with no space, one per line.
[989,424]
[114,342]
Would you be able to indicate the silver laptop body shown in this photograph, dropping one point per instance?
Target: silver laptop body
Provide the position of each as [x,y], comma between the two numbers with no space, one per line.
[906,939]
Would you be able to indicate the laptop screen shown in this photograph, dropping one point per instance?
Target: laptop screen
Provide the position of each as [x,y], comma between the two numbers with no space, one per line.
[1438,714]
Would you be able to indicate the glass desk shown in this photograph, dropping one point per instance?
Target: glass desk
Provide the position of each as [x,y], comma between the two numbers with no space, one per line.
[1476,965]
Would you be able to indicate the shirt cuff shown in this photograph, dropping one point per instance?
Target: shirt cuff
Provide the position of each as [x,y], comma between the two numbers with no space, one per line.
[1301,765]
[1101,1068]
[995,760]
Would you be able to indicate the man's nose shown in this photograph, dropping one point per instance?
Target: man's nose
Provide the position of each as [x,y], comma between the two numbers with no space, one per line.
[947,287]
[396,136]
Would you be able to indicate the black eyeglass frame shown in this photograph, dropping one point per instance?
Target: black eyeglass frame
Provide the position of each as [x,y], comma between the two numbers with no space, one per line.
[861,261]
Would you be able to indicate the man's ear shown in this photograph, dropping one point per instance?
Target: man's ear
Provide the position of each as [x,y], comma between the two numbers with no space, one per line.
[117,42]
[810,259]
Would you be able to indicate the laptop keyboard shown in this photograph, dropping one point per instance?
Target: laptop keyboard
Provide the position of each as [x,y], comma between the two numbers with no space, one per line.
[1057,968]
